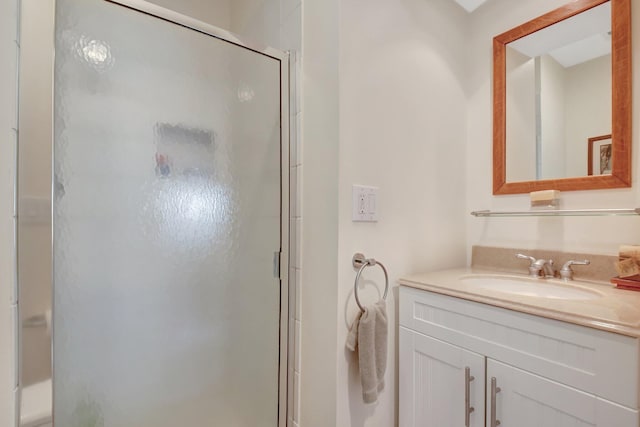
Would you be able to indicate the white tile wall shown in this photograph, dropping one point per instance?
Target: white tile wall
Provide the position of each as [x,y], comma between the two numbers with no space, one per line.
[296,398]
[298,202]
[13,363]
[297,287]
[291,39]
[12,141]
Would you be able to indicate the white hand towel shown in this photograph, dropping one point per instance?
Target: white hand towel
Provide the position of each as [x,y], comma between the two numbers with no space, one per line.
[368,336]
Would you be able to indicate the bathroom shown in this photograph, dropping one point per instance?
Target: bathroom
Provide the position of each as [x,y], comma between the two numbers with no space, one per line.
[422,70]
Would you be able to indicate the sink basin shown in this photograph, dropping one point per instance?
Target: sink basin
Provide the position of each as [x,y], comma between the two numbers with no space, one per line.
[530,287]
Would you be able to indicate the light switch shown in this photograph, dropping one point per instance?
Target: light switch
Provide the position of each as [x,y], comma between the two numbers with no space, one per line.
[365,203]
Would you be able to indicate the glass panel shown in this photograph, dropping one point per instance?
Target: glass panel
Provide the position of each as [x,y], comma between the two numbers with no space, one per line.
[34,203]
[166,217]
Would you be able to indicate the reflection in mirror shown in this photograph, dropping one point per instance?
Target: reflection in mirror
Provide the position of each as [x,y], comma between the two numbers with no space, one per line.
[562,86]
[34,214]
[558,96]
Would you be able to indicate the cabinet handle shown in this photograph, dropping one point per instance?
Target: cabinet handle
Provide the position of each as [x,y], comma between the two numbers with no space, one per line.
[467,396]
[494,390]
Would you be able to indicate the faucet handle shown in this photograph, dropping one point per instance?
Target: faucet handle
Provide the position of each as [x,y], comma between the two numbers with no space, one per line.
[530,258]
[534,270]
[566,272]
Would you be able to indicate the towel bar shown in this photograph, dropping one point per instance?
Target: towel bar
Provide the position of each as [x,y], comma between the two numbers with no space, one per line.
[360,262]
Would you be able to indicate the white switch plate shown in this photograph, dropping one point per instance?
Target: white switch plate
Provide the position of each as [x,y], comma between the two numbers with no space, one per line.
[365,203]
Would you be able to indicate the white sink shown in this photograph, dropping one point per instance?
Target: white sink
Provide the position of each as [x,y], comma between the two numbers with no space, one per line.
[530,287]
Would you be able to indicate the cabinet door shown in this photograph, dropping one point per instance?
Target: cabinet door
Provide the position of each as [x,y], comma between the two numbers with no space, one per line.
[433,383]
[528,400]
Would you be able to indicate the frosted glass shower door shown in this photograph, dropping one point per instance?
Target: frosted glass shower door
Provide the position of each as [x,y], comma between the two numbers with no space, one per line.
[167,214]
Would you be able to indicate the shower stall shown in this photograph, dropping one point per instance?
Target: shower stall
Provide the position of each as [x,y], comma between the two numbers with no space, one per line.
[168,213]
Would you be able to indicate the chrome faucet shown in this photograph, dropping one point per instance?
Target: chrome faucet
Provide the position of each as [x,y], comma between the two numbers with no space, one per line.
[545,268]
[539,268]
[566,273]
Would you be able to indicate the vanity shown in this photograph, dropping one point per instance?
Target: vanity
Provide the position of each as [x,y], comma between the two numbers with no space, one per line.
[480,348]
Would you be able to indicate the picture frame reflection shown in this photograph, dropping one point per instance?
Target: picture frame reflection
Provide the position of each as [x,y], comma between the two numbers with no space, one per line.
[599,158]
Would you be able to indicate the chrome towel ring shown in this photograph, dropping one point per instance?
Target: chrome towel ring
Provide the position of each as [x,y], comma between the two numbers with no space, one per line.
[360,262]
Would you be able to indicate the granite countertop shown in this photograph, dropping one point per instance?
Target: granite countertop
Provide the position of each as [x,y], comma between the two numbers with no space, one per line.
[612,309]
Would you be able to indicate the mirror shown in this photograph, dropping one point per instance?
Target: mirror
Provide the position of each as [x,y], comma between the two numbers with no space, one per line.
[562,100]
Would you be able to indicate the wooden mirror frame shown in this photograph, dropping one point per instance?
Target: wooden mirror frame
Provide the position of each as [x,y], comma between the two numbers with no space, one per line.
[621,101]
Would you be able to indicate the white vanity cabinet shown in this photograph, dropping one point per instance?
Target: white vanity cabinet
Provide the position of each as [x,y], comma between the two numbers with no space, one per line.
[440,383]
[545,372]
[529,400]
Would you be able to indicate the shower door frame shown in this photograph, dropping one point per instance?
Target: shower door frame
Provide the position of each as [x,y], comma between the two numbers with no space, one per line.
[281,260]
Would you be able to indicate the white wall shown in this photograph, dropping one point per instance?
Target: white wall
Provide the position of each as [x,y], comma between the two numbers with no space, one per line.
[403,130]
[254,18]
[521,110]
[319,229]
[8,138]
[274,23]
[552,118]
[594,103]
[216,12]
[600,235]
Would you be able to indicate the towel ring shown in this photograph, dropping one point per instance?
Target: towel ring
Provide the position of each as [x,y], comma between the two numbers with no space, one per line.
[360,262]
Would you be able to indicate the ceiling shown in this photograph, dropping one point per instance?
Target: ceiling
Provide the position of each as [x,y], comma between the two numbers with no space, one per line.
[573,41]
[470,5]
[579,39]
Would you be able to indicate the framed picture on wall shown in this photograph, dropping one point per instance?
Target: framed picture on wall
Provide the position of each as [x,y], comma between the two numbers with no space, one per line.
[599,157]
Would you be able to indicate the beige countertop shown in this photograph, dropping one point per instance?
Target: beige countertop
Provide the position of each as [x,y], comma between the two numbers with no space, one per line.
[612,309]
